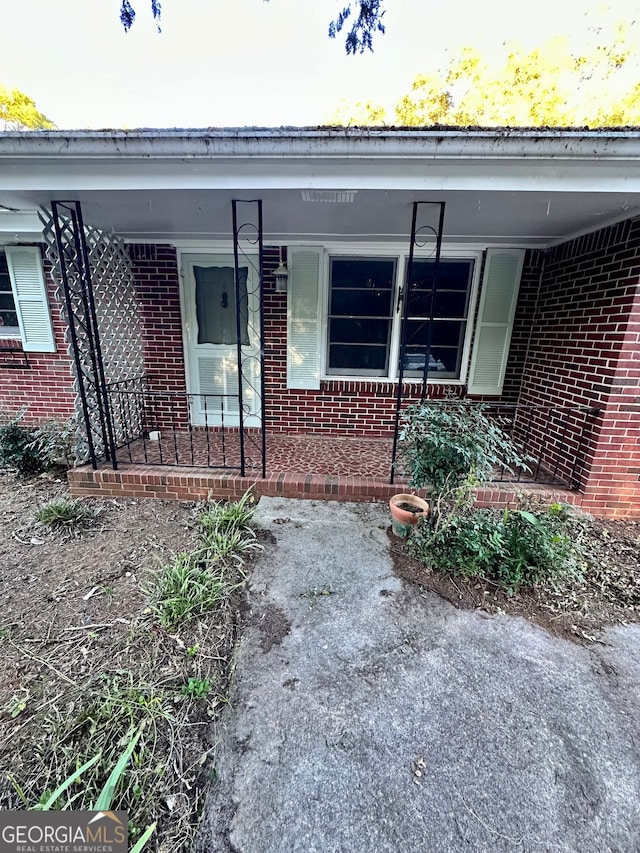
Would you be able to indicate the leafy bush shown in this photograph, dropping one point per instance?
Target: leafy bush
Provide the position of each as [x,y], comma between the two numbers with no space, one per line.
[17,449]
[449,445]
[513,548]
[32,450]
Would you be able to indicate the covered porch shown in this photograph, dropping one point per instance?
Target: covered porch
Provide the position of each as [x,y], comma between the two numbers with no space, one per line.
[541,312]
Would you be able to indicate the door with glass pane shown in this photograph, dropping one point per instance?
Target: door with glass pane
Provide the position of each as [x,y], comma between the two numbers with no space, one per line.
[211,326]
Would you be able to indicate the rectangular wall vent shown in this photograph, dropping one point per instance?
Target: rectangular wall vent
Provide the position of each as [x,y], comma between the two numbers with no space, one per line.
[329,196]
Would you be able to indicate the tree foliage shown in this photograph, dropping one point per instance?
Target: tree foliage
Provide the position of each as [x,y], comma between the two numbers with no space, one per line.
[18,112]
[548,86]
[366,23]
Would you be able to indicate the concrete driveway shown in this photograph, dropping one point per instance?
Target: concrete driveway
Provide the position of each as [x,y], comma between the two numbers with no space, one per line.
[369,716]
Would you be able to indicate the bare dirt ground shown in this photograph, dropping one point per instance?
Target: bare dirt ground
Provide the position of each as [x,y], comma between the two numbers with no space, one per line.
[76,627]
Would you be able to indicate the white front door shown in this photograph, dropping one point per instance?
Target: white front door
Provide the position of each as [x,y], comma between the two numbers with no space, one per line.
[210,317]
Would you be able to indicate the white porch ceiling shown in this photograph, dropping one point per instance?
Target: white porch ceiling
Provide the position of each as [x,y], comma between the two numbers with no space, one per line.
[505,188]
[535,219]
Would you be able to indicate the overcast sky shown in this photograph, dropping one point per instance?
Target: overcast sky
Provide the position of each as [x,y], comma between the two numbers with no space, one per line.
[244,62]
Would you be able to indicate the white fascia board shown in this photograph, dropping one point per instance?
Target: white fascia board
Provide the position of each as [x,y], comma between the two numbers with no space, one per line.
[399,174]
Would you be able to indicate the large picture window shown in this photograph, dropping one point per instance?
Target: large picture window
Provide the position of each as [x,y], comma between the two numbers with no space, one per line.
[365,316]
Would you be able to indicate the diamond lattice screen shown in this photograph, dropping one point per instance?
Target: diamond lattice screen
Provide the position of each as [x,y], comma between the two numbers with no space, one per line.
[118,321]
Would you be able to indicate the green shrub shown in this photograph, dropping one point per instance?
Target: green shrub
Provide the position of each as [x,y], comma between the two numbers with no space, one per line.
[447,445]
[513,548]
[32,450]
[18,451]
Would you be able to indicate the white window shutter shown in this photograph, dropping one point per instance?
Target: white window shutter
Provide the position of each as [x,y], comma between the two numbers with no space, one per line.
[500,285]
[30,295]
[304,321]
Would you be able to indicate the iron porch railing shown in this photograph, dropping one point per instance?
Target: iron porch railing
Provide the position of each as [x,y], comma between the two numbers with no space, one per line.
[554,438]
[155,428]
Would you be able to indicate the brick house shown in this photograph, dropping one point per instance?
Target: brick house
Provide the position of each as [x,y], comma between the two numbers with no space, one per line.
[356,272]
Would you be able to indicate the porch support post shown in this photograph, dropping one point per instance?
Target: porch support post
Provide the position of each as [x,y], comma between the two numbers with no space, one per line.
[247,236]
[425,236]
[77,286]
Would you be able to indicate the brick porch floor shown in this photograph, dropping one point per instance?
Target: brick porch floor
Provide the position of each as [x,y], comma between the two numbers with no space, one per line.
[300,466]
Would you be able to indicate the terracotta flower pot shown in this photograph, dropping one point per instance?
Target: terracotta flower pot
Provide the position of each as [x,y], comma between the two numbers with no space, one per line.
[403,519]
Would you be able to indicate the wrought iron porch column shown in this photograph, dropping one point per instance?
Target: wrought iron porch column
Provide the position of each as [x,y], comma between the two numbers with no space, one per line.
[77,286]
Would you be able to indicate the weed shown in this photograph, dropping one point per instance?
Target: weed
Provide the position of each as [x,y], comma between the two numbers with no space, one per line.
[110,742]
[231,543]
[184,590]
[196,688]
[224,516]
[196,582]
[192,651]
[65,513]
[17,704]
[105,797]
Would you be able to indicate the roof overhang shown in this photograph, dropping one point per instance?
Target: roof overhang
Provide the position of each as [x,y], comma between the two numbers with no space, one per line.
[505,187]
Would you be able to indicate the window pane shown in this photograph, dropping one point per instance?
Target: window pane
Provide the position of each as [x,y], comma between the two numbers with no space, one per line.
[367,303]
[216,305]
[453,274]
[348,358]
[446,361]
[8,318]
[8,315]
[443,332]
[451,303]
[360,308]
[358,331]
[367,273]
[447,333]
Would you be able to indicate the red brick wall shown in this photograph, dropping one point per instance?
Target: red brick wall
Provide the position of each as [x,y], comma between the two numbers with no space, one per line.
[354,408]
[155,269]
[584,351]
[45,387]
[521,333]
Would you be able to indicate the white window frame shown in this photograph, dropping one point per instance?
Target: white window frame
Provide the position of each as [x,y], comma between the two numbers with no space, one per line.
[400,253]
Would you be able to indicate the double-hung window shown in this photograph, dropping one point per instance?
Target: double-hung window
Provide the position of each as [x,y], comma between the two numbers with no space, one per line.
[24,306]
[361,307]
[345,316]
[364,328]
[437,316]
[9,326]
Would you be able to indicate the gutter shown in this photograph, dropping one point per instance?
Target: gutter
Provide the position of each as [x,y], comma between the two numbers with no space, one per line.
[323,144]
